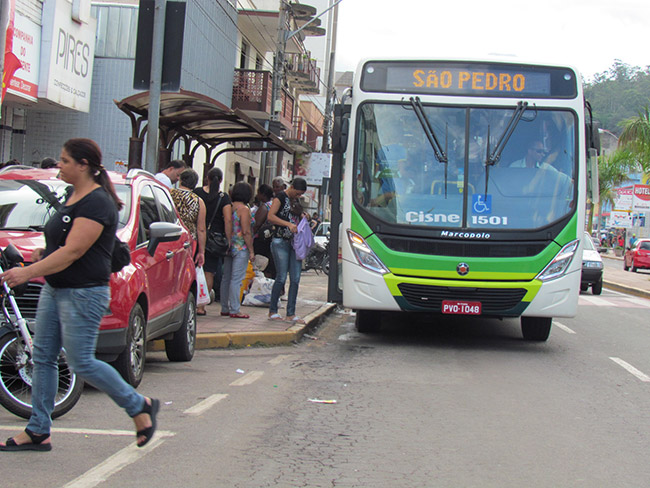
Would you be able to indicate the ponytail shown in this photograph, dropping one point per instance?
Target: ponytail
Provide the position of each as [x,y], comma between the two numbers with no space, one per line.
[86,149]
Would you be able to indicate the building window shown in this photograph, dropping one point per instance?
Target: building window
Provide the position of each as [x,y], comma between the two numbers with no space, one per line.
[244,55]
[259,63]
[117,31]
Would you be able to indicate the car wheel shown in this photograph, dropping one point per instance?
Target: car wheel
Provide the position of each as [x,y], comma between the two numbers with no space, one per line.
[634,268]
[584,287]
[536,328]
[597,288]
[181,346]
[130,363]
[368,321]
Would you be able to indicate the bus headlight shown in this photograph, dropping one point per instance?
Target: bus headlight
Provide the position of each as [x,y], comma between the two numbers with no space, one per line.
[364,254]
[560,263]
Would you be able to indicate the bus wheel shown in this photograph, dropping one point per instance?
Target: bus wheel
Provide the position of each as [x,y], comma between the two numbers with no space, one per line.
[536,328]
[368,321]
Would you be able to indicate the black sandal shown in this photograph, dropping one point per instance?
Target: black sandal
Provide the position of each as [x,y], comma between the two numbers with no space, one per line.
[35,445]
[152,411]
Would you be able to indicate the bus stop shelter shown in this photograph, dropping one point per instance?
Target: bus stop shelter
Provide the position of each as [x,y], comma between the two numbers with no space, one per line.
[197,121]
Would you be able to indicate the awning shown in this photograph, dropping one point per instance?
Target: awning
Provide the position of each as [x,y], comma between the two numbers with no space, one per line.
[196,117]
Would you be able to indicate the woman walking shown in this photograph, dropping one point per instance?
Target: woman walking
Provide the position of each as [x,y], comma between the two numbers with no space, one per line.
[76,264]
[218,210]
[241,251]
[285,214]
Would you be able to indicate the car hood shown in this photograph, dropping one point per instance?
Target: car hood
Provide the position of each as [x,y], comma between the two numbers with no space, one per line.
[25,241]
[589,255]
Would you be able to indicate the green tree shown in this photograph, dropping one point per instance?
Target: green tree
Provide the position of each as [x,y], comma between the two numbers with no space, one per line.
[613,170]
[635,138]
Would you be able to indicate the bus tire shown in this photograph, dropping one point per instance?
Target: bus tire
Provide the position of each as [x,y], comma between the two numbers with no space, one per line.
[536,328]
[368,321]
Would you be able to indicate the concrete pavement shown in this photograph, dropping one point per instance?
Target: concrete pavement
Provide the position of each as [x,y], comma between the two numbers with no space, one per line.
[215,331]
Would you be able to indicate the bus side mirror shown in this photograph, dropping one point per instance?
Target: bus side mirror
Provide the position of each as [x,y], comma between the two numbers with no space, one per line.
[341,128]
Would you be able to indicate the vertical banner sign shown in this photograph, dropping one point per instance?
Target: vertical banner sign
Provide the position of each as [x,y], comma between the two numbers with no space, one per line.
[26,47]
[11,61]
[67,56]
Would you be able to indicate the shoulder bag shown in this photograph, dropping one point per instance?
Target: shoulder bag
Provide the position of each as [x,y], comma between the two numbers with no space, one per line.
[216,243]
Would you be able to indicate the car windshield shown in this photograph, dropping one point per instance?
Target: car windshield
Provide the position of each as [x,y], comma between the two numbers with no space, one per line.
[588,243]
[400,180]
[645,245]
[29,204]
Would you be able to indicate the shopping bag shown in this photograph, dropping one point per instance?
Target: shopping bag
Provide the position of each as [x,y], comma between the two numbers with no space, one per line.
[259,294]
[204,293]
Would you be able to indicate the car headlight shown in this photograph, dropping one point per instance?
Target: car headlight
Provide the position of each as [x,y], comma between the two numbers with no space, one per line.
[592,264]
[560,263]
[365,256]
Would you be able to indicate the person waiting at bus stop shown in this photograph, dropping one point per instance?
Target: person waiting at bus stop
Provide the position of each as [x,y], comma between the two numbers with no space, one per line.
[285,214]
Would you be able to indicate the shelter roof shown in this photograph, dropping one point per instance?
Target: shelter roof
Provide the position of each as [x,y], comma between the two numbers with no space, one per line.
[202,119]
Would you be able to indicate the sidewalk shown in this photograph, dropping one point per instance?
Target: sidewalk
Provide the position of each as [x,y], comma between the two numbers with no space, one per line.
[615,278]
[215,331]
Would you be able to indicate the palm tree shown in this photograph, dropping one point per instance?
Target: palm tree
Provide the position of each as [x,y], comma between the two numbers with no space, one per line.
[636,138]
[612,171]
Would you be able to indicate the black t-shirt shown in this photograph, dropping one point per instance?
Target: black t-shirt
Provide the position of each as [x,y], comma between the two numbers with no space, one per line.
[94,267]
[210,204]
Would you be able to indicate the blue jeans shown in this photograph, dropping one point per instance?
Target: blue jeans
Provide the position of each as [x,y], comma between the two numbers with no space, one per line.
[234,270]
[69,318]
[285,263]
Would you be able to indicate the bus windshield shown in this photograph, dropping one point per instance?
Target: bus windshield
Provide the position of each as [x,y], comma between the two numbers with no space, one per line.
[400,180]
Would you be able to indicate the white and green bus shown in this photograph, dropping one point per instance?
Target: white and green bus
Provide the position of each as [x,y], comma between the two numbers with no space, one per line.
[464,190]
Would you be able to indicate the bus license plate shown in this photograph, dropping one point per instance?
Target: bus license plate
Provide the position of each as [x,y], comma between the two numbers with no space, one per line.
[461,308]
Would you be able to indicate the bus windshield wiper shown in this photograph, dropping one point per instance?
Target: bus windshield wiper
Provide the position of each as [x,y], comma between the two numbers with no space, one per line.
[492,158]
[438,151]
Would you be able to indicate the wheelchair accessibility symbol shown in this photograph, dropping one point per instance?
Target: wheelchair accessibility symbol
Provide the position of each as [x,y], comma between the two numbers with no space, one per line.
[482,204]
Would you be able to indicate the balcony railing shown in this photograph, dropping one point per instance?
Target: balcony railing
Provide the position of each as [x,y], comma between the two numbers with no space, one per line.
[251,90]
[303,131]
[303,72]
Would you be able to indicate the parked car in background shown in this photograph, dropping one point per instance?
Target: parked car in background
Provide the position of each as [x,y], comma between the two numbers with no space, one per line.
[322,234]
[637,257]
[592,267]
[154,297]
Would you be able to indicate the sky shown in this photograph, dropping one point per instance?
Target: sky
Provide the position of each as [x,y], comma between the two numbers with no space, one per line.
[586,34]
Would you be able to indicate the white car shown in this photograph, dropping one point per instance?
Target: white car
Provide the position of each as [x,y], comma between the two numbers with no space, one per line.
[592,267]
[322,234]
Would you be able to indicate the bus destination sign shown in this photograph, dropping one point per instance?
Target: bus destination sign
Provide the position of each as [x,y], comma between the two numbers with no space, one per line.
[470,79]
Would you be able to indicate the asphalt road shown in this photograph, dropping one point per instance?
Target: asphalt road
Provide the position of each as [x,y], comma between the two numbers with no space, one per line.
[460,402]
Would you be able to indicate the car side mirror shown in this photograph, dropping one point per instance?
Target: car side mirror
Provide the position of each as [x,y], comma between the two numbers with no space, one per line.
[327,234]
[162,232]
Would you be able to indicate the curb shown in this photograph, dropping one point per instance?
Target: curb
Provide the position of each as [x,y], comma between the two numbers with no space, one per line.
[626,289]
[262,338]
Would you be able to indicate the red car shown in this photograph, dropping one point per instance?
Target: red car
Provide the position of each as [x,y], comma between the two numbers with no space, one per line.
[154,297]
[638,257]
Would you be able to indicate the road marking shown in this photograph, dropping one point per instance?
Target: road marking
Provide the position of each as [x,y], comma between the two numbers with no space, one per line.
[598,301]
[564,328]
[118,461]
[278,359]
[615,301]
[204,405]
[118,433]
[248,378]
[631,369]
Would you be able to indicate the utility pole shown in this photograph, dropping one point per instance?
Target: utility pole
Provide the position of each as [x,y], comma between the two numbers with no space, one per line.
[331,70]
[157,44]
[278,64]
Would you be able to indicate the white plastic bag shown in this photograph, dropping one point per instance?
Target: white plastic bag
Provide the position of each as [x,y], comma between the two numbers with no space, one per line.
[204,293]
[259,294]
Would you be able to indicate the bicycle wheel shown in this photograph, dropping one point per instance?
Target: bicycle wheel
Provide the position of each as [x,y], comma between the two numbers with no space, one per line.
[16,381]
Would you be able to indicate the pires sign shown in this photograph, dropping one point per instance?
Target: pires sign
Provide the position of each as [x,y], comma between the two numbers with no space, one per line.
[67,56]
